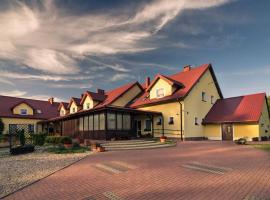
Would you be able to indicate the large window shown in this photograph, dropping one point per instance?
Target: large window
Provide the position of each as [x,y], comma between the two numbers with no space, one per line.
[101,121]
[96,122]
[160,92]
[119,121]
[111,119]
[90,120]
[85,124]
[81,124]
[126,122]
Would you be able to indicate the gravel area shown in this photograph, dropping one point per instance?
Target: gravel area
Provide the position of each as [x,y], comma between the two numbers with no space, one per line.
[19,171]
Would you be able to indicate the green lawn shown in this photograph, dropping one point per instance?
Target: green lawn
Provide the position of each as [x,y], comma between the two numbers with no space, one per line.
[265,147]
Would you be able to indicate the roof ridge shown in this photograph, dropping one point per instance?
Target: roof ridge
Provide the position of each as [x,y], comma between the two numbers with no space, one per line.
[245,95]
[23,98]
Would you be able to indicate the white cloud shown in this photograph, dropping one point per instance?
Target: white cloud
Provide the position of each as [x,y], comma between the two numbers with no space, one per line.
[47,39]
[24,94]
[25,76]
[119,77]
[13,93]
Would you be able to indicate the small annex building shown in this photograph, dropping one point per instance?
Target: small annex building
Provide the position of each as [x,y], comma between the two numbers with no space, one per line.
[238,117]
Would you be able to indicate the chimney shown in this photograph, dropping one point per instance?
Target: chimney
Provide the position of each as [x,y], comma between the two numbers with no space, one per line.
[82,96]
[187,68]
[100,91]
[51,100]
[147,81]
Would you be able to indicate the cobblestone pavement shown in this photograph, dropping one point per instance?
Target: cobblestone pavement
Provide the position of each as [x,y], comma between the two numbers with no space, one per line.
[192,170]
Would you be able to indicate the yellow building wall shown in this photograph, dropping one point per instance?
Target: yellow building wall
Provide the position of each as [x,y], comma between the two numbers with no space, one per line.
[264,124]
[213,132]
[247,131]
[90,101]
[63,110]
[128,96]
[168,110]
[195,107]
[17,109]
[168,89]
[73,105]
[8,121]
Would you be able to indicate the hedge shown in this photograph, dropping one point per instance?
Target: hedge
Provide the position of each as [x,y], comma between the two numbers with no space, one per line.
[57,139]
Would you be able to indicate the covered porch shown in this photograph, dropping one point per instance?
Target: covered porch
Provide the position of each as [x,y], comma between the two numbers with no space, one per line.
[105,123]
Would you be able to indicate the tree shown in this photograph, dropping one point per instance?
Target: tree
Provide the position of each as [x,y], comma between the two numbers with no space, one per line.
[268,99]
[1,126]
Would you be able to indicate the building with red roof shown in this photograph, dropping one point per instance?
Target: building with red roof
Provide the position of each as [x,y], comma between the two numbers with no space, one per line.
[185,105]
[238,117]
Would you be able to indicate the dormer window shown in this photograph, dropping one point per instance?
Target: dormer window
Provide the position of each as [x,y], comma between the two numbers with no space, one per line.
[160,92]
[73,110]
[23,111]
[39,111]
[88,106]
[62,113]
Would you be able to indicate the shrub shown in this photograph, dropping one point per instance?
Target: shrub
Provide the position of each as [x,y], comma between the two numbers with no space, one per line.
[58,140]
[39,139]
[241,141]
[2,126]
[21,137]
[76,145]
[264,138]
[66,140]
[255,139]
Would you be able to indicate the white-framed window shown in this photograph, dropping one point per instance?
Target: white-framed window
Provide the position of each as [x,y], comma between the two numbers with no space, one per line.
[212,99]
[23,111]
[87,105]
[203,96]
[160,92]
[73,110]
[171,120]
[196,121]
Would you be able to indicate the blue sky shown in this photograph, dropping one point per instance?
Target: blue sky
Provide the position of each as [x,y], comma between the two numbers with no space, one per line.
[62,48]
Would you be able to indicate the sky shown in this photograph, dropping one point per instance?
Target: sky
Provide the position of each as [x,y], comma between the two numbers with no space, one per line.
[62,48]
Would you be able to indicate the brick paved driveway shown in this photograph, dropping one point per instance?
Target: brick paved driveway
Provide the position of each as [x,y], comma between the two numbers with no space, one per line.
[162,174]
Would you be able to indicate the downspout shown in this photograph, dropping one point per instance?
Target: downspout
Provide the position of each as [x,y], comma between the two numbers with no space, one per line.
[181,119]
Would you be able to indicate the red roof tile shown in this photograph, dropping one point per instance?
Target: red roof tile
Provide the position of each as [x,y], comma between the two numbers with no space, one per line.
[167,79]
[77,101]
[95,96]
[237,109]
[8,103]
[64,104]
[114,94]
[187,78]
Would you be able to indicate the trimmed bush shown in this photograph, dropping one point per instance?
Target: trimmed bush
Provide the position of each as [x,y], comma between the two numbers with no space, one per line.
[58,140]
[39,139]
[66,140]
[21,137]
[255,139]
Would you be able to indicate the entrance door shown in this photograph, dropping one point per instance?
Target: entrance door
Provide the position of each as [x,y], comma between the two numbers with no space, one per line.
[227,132]
[139,128]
